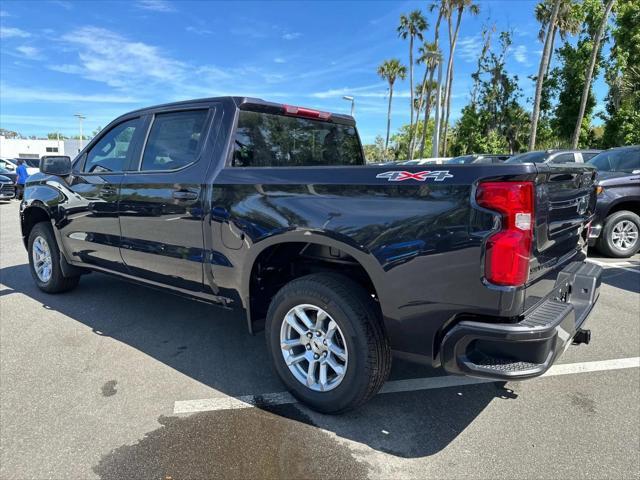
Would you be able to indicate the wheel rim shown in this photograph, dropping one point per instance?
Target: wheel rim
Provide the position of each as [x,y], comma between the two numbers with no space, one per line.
[624,234]
[41,259]
[313,348]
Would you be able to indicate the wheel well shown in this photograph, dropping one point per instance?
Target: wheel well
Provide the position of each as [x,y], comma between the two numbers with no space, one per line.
[281,263]
[30,217]
[631,206]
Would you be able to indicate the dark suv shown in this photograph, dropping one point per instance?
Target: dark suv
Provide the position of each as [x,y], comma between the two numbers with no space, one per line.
[616,227]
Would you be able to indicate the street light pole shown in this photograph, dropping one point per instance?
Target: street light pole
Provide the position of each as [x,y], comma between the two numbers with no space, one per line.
[435,144]
[80,118]
[352,100]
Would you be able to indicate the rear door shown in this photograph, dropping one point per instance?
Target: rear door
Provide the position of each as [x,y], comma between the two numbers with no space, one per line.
[565,203]
[161,200]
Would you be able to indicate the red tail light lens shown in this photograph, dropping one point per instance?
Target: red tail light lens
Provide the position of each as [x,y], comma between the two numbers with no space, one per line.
[508,251]
[306,112]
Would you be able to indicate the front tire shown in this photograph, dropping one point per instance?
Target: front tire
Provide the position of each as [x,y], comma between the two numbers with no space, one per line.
[620,236]
[327,343]
[44,261]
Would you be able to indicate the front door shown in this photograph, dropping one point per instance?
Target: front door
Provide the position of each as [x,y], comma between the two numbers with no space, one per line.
[90,230]
[161,202]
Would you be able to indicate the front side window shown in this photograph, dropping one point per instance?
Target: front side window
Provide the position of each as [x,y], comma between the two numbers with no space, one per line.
[112,150]
[174,140]
[267,140]
[617,160]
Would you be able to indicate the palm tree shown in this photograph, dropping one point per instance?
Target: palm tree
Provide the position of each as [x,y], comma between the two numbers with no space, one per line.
[589,72]
[457,6]
[562,17]
[429,57]
[411,27]
[390,70]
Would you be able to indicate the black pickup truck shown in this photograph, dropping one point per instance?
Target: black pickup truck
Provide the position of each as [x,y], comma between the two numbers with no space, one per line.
[270,209]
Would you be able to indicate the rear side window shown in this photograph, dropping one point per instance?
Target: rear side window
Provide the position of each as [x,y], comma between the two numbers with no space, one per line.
[174,140]
[267,140]
[112,150]
[564,158]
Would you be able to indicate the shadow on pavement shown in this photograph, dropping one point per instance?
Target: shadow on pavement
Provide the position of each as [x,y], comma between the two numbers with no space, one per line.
[213,347]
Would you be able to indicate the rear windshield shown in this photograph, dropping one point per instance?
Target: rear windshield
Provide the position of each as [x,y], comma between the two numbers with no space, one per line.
[626,160]
[461,160]
[267,140]
[529,157]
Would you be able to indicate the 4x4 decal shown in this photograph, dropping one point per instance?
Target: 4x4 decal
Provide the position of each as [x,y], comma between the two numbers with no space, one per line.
[401,175]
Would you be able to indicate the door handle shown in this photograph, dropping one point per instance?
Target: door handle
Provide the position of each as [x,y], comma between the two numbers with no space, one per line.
[185,194]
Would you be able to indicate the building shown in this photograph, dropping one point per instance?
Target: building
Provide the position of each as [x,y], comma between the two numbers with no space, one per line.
[28,148]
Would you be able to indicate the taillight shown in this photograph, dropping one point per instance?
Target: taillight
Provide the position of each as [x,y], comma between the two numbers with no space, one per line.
[508,251]
[305,112]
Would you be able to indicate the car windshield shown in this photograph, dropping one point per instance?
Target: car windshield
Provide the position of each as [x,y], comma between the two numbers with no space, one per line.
[461,160]
[32,162]
[3,171]
[529,157]
[623,160]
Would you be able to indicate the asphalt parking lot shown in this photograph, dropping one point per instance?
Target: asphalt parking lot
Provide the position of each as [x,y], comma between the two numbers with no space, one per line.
[95,383]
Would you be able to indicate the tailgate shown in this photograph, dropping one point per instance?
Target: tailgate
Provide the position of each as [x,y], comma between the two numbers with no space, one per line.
[565,203]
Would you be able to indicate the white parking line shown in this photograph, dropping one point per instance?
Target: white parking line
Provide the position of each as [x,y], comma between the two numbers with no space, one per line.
[618,265]
[395,386]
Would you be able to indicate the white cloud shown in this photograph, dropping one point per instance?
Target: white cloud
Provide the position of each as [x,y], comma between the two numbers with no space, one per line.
[520,54]
[279,60]
[469,48]
[155,5]
[29,52]
[108,57]
[378,90]
[4,13]
[198,30]
[24,95]
[291,35]
[10,32]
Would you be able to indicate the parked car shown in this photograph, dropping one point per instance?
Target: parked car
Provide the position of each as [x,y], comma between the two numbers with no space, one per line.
[478,158]
[342,263]
[616,226]
[426,161]
[555,156]
[9,174]
[7,188]
[7,164]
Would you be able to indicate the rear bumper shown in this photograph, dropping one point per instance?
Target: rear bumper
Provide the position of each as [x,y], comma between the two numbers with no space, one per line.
[511,351]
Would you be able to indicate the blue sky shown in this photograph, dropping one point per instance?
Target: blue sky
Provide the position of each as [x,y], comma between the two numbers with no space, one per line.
[103,58]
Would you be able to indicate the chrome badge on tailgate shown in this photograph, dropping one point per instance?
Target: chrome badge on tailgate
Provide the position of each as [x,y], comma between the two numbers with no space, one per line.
[401,175]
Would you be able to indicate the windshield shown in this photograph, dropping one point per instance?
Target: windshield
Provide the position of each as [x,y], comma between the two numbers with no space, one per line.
[461,160]
[32,162]
[623,160]
[529,157]
[267,140]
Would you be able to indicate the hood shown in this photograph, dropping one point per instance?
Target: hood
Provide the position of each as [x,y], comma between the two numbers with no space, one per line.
[610,178]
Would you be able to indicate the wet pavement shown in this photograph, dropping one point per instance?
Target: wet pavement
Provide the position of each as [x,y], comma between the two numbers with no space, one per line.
[89,379]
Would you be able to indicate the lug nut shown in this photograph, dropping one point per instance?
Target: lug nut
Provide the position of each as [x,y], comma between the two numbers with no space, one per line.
[309,334]
[318,333]
[324,354]
[308,346]
[325,342]
[316,356]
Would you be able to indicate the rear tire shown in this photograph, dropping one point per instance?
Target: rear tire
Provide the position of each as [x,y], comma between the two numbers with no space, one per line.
[620,236]
[363,353]
[44,261]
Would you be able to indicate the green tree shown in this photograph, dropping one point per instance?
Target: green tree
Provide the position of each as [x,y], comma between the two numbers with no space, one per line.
[554,16]
[429,55]
[391,70]
[401,139]
[622,118]
[375,152]
[56,136]
[411,27]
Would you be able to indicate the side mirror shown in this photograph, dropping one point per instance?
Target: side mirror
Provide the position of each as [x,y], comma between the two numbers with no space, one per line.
[59,165]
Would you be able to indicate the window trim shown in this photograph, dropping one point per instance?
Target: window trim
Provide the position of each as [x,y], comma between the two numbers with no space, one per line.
[230,161]
[84,154]
[150,120]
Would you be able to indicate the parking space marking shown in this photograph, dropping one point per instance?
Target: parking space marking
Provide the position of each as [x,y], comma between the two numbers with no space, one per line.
[394,386]
[626,266]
